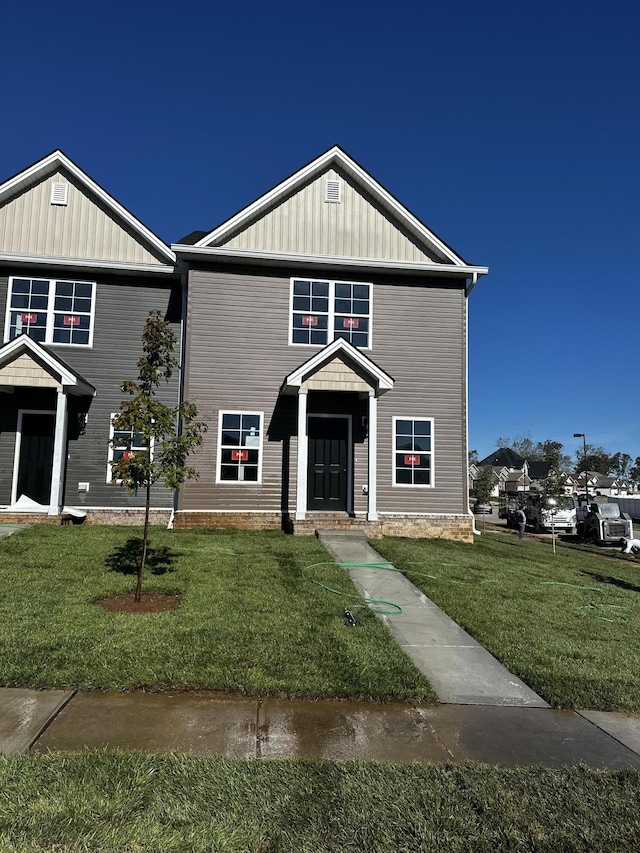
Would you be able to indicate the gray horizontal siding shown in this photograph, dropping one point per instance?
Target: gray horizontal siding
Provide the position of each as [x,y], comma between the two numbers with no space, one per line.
[238,356]
[122,307]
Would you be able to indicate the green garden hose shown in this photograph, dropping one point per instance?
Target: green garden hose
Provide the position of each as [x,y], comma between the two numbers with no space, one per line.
[377,605]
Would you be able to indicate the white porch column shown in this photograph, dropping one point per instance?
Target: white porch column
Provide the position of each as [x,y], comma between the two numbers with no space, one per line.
[372,514]
[59,454]
[303,450]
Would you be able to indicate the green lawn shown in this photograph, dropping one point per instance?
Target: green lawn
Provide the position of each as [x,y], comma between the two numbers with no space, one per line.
[249,622]
[568,625]
[136,803]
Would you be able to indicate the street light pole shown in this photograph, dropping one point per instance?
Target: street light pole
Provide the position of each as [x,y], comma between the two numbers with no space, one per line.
[584,462]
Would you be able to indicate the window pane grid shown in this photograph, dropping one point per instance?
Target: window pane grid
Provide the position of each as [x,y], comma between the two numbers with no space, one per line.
[51,311]
[240,447]
[413,452]
[325,310]
[125,441]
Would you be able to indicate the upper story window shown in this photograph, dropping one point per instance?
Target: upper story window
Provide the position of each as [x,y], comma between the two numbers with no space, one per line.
[239,447]
[413,453]
[323,310]
[51,311]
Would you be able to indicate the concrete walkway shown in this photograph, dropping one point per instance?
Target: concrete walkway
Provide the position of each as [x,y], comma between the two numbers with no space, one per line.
[461,671]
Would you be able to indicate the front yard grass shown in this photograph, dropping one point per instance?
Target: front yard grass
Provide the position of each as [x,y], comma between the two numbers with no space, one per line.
[135,802]
[249,623]
[568,625]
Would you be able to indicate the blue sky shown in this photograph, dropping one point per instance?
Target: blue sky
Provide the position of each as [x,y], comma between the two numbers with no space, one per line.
[511,130]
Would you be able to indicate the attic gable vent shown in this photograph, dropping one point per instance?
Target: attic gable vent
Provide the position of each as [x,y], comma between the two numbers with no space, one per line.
[332,191]
[59,193]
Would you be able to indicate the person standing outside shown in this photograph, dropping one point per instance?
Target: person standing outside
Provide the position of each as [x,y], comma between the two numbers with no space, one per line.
[521,520]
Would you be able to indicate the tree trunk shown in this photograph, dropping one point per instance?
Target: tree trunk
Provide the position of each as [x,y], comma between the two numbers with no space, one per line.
[145,541]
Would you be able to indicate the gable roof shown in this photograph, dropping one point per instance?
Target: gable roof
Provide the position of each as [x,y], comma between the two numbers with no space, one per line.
[504,456]
[65,375]
[428,253]
[28,178]
[379,379]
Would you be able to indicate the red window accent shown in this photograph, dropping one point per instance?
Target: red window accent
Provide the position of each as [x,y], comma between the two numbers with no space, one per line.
[29,318]
[71,320]
[239,455]
[128,454]
[350,322]
[309,321]
[411,460]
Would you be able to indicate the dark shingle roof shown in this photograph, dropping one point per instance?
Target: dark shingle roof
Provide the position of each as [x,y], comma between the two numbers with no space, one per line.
[192,238]
[504,456]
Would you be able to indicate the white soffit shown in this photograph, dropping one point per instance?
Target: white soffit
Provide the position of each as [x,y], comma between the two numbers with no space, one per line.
[333,157]
[30,175]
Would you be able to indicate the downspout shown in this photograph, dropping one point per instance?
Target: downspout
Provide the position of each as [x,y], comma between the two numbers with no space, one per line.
[468,289]
[183,268]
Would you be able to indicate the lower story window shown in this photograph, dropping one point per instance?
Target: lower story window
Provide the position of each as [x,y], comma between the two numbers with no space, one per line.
[413,452]
[122,442]
[240,447]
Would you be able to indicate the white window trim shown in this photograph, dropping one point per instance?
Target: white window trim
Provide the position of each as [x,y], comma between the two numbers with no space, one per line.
[112,448]
[331,312]
[395,485]
[48,341]
[219,480]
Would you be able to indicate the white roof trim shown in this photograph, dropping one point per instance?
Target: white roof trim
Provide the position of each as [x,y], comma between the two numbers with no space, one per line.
[333,155]
[85,263]
[277,258]
[67,377]
[383,381]
[57,158]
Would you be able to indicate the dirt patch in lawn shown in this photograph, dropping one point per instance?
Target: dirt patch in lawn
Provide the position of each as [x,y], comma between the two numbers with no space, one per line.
[150,602]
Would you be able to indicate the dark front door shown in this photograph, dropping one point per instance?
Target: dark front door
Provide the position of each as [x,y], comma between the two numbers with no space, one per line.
[36,457]
[328,464]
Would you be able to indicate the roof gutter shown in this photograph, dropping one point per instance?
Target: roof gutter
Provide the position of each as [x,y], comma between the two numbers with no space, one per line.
[275,259]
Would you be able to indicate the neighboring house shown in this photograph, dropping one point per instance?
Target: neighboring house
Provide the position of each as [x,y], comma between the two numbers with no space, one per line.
[511,470]
[78,277]
[500,474]
[505,457]
[604,486]
[326,350]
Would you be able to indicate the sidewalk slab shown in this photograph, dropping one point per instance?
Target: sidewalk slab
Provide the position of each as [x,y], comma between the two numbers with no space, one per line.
[623,727]
[8,529]
[266,729]
[460,670]
[25,713]
[197,723]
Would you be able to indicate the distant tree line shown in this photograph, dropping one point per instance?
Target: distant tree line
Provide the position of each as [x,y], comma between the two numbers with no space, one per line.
[596,458]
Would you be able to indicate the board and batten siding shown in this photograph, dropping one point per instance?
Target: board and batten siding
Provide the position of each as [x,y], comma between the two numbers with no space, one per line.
[238,355]
[122,307]
[83,228]
[305,223]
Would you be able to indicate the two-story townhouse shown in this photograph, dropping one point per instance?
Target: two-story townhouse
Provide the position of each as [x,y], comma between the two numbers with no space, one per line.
[326,348]
[78,277]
